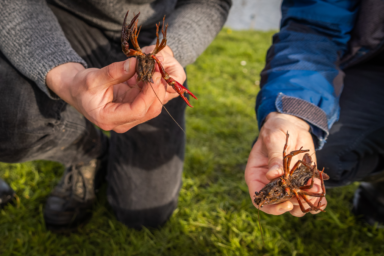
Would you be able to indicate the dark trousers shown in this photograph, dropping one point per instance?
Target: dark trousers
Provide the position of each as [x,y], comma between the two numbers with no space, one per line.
[354,150]
[145,163]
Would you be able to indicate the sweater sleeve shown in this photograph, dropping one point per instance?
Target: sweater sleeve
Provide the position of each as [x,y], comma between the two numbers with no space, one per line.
[302,76]
[32,40]
[193,25]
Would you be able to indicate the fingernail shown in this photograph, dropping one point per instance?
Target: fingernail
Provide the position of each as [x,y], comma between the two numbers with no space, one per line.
[155,80]
[126,66]
[285,209]
[275,169]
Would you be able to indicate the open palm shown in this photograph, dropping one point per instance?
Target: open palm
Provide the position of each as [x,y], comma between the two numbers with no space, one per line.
[265,161]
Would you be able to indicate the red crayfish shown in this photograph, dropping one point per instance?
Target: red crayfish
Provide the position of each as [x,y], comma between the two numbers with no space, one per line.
[145,65]
[293,182]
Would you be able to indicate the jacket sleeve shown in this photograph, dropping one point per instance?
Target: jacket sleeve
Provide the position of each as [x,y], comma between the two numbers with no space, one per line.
[302,75]
[32,40]
[193,25]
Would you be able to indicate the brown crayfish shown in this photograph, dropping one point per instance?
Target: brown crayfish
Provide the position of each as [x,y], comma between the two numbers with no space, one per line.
[293,182]
[145,65]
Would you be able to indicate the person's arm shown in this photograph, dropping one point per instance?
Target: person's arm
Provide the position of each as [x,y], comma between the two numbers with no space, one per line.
[302,75]
[300,88]
[33,41]
[105,97]
[193,25]
[110,97]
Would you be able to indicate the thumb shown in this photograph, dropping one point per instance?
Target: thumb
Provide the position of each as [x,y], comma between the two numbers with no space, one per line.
[275,149]
[275,166]
[116,72]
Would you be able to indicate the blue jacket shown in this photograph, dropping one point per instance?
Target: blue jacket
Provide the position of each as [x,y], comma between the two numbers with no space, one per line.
[304,74]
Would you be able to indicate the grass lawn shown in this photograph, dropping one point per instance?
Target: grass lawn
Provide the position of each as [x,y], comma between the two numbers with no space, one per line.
[215,215]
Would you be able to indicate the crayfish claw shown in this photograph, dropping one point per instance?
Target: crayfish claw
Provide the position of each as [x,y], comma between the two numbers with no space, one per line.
[181,90]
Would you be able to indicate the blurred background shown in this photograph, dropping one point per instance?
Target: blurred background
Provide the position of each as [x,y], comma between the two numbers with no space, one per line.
[215,215]
[255,14]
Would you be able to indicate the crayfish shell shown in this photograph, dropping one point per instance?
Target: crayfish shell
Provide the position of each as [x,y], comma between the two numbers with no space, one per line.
[279,190]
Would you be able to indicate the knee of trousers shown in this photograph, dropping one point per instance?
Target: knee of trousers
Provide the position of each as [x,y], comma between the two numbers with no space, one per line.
[27,115]
[341,166]
[20,147]
[24,132]
[152,218]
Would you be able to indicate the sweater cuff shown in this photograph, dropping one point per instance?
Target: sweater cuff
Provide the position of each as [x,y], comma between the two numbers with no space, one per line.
[309,112]
[312,114]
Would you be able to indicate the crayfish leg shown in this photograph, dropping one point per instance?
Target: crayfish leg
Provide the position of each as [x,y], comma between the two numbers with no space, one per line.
[180,89]
[313,207]
[313,178]
[300,203]
[126,34]
[284,154]
[288,158]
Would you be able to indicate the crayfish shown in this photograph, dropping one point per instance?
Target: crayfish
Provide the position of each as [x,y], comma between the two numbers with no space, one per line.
[293,182]
[145,65]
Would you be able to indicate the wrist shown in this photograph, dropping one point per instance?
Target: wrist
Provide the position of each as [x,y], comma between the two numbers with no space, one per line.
[298,122]
[60,79]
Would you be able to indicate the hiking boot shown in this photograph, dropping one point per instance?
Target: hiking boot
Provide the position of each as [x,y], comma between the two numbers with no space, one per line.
[70,203]
[368,203]
[7,194]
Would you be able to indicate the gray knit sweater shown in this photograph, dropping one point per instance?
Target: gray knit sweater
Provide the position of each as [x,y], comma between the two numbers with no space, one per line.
[32,40]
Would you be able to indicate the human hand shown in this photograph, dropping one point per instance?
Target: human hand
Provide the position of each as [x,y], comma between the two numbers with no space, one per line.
[265,161]
[105,97]
[171,66]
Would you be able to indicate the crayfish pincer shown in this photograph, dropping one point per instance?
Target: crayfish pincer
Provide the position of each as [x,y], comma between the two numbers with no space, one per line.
[293,183]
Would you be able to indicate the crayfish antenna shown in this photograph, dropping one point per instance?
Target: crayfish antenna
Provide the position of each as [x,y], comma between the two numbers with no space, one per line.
[166,109]
[261,230]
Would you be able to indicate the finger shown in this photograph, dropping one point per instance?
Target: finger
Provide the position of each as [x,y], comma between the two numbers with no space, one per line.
[176,71]
[255,178]
[157,90]
[170,92]
[160,58]
[148,49]
[144,100]
[152,112]
[323,205]
[274,145]
[156,108]
[314,200]
[297,212]
[275,171]
[315,189]
[146,104]
[277,209]
[114,73]
[132,82]
[256,168]
[172,67]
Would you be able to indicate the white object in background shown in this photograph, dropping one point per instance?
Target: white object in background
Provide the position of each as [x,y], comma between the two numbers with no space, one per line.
[254,14]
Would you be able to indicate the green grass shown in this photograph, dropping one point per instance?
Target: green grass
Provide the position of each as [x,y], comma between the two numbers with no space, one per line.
[215,215]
